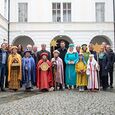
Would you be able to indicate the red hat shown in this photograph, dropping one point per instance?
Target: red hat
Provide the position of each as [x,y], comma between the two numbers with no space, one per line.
[44,54]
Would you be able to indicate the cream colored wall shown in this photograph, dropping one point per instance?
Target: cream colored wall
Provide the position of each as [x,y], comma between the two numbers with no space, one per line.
[79,32]
[41,10]
[3,28]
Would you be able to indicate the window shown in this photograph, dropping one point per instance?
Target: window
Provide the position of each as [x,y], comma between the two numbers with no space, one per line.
[56,12]
[22,12]
[61,12]
[100,12]
[66,12]
[5,8]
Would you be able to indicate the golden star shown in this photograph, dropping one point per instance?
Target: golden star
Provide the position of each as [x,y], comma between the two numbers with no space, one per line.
[97,47]
[53,43]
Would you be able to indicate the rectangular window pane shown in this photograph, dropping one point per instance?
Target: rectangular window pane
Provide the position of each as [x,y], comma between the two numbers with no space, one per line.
[22,12]
[100,12]
[69,15]
[64,16]
[69,6]
[58,16]
[53,6]
[66,12]
[56,12]
[64,5]
[58,5]
[54,15]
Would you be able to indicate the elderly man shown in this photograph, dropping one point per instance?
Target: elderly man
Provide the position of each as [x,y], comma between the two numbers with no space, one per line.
[30,48]
[111,55]
[43,50]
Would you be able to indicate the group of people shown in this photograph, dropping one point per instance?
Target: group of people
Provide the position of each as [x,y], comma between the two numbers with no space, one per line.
[82,68]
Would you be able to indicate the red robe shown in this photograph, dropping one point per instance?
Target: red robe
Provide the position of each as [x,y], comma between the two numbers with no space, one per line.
[44,78]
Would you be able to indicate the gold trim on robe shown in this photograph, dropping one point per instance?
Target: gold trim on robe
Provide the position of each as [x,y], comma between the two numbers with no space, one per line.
[14,72]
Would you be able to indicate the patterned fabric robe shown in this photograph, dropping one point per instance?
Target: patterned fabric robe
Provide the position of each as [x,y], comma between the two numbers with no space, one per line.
[44,78]
[14,71]
[59,72]
[81,73]
[28,67]
[92,67]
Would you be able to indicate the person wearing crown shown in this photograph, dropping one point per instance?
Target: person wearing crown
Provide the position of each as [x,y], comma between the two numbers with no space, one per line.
[28,70]
[14,69]
[85,52]
[58,72]
[81,73]
[44,73]
[92,67]
[71,58]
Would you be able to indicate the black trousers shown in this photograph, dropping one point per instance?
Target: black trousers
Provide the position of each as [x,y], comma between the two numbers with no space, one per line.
[2,75]
[111,77]
[104,81]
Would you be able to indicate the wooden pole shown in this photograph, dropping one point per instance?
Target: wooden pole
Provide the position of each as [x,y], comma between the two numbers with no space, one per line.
[8,22]
[114,21]
[98,71]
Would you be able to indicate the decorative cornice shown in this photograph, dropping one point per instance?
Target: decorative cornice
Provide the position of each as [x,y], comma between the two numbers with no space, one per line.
[63,23]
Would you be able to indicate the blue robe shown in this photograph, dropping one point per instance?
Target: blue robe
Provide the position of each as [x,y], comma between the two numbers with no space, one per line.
[28,71]
[70,72]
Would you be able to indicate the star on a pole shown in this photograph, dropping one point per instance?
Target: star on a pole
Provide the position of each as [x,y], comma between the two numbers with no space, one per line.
[53,43]
[97,47]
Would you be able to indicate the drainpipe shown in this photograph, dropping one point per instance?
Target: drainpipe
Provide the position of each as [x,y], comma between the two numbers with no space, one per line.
[114,21]
[8,22]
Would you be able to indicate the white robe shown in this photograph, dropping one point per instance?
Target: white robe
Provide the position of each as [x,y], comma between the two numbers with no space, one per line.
[92,68]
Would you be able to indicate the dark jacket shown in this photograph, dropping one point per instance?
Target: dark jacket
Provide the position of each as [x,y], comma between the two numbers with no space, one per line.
[43,51]
[21,53]
[94,53]
[1,56]
[111,57]
[34,56]
[104,65]
[62,53]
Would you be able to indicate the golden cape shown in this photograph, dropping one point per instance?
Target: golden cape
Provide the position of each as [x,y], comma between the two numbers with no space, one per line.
[10,61]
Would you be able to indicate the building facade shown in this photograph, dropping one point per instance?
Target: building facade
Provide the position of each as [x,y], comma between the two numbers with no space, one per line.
[3,20]
[50,21]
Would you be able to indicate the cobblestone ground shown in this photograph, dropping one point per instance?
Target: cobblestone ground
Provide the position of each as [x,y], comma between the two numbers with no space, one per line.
[58,103]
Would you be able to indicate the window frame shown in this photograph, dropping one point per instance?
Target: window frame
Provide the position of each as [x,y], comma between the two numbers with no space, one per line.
[101,12]
[62,10]
[24,12]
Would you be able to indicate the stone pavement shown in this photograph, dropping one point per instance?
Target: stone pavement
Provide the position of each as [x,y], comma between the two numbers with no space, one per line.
[68,102]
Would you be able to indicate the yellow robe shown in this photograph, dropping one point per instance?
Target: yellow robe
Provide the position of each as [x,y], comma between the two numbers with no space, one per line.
[81,78]
[14,72]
